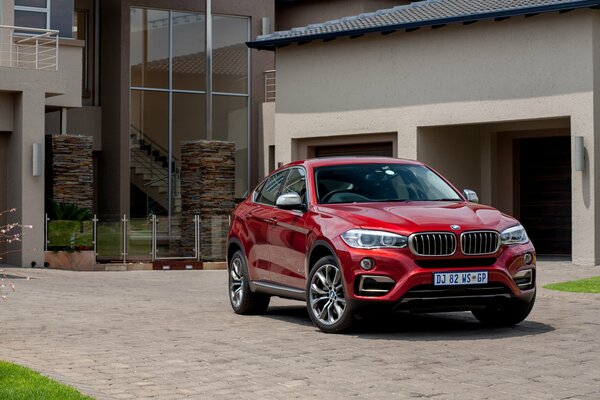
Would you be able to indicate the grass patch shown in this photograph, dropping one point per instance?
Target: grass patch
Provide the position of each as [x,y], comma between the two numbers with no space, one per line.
[589,285]
[74,234]
[20,383]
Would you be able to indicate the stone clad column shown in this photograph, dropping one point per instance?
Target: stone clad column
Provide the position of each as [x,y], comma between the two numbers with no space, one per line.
[70,170]
[207,190]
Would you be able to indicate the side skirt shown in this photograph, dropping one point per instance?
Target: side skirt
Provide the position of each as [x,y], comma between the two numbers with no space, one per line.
[275,289]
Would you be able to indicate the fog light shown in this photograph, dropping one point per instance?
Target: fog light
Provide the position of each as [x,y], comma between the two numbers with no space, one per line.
[367,264]
[528,258]
[525,273]
[524,279]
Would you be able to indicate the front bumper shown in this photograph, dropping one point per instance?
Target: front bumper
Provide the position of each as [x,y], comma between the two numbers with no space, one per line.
[406,281]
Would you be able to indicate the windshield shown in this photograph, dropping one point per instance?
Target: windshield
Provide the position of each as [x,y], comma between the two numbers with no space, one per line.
[363,183]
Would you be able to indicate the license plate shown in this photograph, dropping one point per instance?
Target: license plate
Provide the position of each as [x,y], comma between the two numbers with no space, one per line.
[460,278]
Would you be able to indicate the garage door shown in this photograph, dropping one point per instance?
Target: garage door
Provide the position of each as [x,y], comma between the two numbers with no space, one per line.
[545,193]
[383,149]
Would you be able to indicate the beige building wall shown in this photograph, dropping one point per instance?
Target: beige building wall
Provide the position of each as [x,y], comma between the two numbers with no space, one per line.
[6,112]
[24,95]
[69,63]
[455,152]
[517,70]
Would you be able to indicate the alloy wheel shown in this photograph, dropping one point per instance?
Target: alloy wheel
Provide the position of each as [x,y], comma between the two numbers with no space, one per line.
[326,294]
[236,282]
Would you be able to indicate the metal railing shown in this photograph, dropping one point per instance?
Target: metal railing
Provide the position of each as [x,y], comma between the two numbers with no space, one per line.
[147,161]
[270,85]
[124,239]
[28,48]
[176,190]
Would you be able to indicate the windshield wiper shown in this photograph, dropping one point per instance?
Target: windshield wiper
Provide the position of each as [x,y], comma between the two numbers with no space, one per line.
[445,199]
[388,200]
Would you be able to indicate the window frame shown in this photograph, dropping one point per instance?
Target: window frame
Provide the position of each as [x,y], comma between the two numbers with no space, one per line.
[40,10]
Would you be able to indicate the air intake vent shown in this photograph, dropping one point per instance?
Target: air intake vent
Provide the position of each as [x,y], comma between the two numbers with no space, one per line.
[433,244]
[479,242]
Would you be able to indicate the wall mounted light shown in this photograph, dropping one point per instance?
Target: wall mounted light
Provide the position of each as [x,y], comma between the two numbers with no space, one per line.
[37,159]
[579,153]
[266,26]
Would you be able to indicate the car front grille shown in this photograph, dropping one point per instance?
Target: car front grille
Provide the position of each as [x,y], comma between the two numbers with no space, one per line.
[428,298]
[479,242]
[431,291]
[456,262]
[432,244]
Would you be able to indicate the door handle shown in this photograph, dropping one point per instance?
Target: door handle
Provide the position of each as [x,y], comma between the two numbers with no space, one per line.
[272,220]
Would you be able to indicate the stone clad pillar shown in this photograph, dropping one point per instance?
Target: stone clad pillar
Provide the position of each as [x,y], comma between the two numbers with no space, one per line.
[70,170]
[207,190]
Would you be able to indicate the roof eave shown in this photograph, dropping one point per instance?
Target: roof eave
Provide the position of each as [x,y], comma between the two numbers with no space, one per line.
[500,15]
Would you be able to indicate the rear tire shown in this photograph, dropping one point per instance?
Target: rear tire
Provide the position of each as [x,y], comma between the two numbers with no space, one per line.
[507,314]
[242,299]
[328,307]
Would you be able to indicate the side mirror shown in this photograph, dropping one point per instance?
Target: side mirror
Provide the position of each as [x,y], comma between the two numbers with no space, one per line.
[289,201]
[471,196]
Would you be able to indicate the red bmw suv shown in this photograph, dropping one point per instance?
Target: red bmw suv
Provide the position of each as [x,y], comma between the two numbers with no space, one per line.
[343,234]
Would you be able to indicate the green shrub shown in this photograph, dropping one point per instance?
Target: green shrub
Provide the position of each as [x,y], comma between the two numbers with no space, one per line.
[68,212]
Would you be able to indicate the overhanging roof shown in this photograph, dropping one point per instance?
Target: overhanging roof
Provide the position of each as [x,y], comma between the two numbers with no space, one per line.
[433,13]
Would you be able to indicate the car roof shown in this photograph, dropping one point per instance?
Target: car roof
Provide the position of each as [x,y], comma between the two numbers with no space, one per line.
[330,161]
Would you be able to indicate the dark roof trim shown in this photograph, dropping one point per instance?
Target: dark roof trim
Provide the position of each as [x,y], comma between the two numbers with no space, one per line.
[465,19]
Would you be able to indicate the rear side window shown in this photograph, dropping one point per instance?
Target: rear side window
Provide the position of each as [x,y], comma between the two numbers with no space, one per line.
[270,190]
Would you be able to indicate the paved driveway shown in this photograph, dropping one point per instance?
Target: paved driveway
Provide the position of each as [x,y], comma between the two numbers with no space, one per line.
[172,335]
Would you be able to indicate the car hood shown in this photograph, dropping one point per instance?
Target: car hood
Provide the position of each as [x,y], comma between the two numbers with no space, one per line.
[409,217]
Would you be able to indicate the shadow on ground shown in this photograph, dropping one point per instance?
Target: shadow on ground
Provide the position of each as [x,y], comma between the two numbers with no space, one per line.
[423,327]
[11,277]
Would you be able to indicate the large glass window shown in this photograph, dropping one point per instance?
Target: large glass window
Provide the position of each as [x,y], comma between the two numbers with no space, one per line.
[189,122]
[189,54]
[150,117]
[230,54]
[230,123]
[169,96]
[149,48]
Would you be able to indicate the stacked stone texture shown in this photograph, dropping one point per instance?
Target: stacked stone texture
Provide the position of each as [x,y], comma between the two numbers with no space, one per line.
[70,169]
[207,190]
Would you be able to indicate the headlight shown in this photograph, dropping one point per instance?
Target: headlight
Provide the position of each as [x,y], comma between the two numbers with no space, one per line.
[365,239]
[514,235]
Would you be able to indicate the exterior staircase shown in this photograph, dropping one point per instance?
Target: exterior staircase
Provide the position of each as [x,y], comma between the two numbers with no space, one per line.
[150,173]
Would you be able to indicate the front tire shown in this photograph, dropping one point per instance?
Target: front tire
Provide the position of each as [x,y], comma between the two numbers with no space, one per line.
[242,299]
[507,314]
[328,307]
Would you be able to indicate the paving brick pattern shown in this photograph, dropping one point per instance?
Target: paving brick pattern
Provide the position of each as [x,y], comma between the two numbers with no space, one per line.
[172,335]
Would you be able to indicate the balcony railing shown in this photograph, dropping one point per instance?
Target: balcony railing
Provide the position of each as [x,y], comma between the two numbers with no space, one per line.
[28,48]
[270,85]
